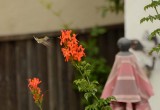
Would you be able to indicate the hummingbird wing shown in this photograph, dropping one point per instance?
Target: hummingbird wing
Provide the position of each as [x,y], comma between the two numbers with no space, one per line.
[45,41]
[47,44]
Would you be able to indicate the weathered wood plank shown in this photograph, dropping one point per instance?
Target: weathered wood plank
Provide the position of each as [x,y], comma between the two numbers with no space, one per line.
[52,77]
[11,75]
[21,77]
[31,68]
[60,78]
[65,83]
[43,72]
[55,76]
[3,79]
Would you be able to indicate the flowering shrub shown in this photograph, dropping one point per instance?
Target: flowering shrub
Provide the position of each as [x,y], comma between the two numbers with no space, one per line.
[70,48]
[74,53]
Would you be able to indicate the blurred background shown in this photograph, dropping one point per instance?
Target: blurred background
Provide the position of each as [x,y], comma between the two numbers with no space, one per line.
[98,25]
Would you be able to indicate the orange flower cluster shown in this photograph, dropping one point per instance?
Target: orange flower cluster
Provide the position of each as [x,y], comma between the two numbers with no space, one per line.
[35,90]
[71,50]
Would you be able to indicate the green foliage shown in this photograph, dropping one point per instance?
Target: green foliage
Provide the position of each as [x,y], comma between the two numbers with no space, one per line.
[152,18]
[154,33]
[153,4]
[99,70]
[99,63]
[90,75]
[101,104]
[112,6]
[97,31]
[155,49]
[89,87]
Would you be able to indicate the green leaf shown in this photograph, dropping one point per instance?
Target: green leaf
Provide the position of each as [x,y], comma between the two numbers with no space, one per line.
[111,98]
[87,72]
[107,108]
[150,18]
[91,107]
[154,33]
[155,49]
[95,82]
[153,4]
[87,95]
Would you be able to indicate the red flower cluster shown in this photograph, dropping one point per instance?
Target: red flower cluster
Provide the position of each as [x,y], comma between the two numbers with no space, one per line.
[71,50]
[35,90]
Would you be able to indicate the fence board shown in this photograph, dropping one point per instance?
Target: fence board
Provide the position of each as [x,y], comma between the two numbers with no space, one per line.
[43,72]
[60,78]
[11,76]
[3,79]
[51,84]
[55,75]
[31,69]
[21,76]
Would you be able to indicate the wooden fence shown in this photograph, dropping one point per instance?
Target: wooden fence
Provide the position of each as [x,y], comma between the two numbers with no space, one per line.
[22,58]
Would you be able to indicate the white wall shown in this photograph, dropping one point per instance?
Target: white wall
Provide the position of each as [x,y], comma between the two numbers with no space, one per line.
[29,16]
[134,11]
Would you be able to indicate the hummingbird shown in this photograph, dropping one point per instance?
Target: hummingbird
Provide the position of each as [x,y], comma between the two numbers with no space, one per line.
[44,40]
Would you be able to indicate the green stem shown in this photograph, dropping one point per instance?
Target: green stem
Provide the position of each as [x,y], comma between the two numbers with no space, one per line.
[81,73]
[84,77]
[155,9]
[40,107]
[78,69]
[88,80]
[96,97]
